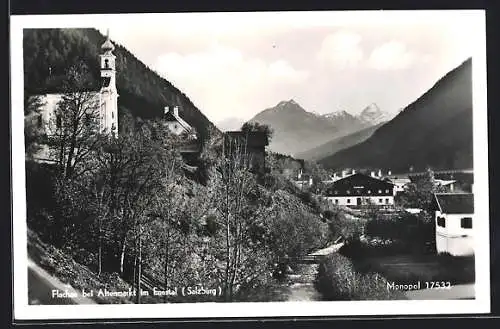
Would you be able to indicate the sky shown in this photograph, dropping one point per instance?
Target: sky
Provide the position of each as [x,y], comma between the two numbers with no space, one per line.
[234,65]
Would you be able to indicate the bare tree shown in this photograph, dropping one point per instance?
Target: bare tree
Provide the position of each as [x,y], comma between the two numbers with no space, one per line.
[74,129]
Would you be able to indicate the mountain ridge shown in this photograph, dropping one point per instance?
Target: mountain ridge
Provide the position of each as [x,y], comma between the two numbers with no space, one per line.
[297,130]
[422,134]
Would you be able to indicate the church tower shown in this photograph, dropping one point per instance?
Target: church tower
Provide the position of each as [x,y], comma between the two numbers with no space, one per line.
[109,93]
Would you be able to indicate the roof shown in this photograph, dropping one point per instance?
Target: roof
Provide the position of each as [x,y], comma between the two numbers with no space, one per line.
[253,138]
[362,178]
[454,203]
[171,116]
[108,45]
[400,180]
[360,184]
[444,182]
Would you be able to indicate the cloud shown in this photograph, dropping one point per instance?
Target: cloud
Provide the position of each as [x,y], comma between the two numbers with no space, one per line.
[237,78]
[341,50]
[393,55]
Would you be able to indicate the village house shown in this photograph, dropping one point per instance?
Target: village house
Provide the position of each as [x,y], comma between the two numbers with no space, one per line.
[358,190]
[454,214]
[251,144]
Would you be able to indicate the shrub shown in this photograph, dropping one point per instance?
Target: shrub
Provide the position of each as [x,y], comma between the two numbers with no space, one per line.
[337,280]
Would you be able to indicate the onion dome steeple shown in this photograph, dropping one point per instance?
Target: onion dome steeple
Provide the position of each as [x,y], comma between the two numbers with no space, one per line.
[107,46]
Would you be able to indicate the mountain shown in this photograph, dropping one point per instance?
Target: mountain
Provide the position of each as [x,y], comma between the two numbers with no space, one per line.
[295,129]
[345,122]
[230,124]
[48,53]
[372,115]
[338,144]
[435,130]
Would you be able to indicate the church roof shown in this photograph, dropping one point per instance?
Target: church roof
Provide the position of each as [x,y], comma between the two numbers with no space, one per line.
[108,45]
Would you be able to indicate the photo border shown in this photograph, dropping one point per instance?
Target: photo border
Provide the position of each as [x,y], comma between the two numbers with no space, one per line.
[23,311]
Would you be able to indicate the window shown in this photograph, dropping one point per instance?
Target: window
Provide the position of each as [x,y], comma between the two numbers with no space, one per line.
[386,191]
[386,201]
[336,201]
[106,63]
[348,200]
[348,192]
[112,115]
[369,191]
[379,191]
[379,200]
[466,222]
[58,121]
[441,222]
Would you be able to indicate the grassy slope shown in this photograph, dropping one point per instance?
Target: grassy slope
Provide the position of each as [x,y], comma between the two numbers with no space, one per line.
[60,265]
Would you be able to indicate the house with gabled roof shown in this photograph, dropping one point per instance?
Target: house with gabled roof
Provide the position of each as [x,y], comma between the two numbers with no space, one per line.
[454,218]
[360,190]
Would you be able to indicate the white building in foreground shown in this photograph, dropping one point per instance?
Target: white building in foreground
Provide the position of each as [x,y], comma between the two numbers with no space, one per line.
[454,216]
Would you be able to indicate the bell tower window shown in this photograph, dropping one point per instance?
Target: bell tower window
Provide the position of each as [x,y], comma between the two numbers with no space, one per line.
[106,63]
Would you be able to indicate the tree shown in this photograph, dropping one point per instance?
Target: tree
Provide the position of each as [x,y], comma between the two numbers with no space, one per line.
[33,123]
[241,210]
[255,126]
[420,192]
[74,130]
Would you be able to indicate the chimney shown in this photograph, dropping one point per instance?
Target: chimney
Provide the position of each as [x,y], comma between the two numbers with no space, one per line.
[353,171]
[379,173]
[344,173]
[166,110]
[389,173]
[372,174]
[176,111]
[300,174]
[452,187]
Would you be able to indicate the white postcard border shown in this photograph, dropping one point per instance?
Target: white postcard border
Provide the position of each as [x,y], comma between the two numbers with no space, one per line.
[23,311]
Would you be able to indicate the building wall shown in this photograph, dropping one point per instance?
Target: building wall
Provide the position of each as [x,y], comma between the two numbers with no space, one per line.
[453,238]
[383,200]
[175,127]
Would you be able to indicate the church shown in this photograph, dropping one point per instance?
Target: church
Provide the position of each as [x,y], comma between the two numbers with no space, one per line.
[105,99]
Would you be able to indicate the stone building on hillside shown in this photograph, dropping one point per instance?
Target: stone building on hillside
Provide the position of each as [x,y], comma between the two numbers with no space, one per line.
[252,145]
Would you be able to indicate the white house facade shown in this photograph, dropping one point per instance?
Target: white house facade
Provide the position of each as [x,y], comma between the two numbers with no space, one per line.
[176,124]
[454,218]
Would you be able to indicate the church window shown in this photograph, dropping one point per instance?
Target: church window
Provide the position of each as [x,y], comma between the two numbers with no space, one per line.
[106,63]
[348,200]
